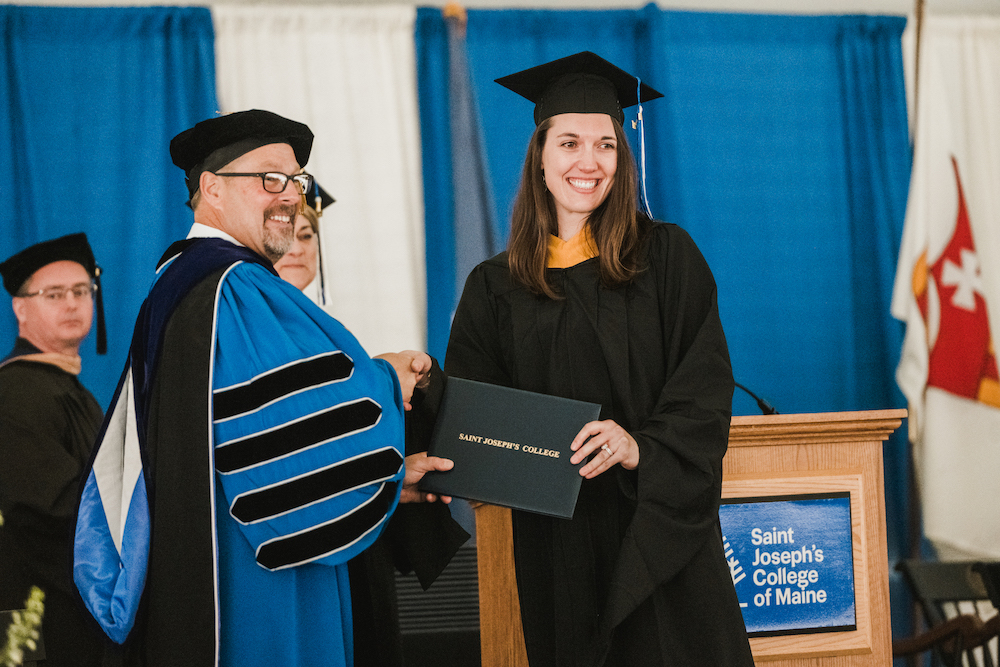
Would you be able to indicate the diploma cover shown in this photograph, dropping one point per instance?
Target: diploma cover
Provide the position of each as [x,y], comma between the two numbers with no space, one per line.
[510,447]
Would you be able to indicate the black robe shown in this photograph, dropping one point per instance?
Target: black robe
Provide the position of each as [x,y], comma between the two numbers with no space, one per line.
[48,421]
[638,576]
[421,538]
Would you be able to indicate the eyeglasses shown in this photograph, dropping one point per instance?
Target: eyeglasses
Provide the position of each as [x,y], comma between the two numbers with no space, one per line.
[275,182]
[58,294]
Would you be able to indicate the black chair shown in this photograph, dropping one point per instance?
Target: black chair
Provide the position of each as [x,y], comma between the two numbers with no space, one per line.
[990,573]
[961,618]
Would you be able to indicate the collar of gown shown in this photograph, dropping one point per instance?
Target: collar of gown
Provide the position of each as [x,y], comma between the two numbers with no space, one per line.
[564,254]
[25,351]
[201,231]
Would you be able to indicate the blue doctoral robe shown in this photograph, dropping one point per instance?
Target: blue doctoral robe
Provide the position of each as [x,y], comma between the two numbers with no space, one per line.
[252,449]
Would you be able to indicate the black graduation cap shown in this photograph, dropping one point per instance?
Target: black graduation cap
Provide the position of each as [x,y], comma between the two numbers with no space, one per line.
[214,143]
[581,83]
[318,199]
[74,248]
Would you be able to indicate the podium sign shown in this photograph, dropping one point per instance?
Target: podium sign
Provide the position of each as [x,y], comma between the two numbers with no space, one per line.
[792,562]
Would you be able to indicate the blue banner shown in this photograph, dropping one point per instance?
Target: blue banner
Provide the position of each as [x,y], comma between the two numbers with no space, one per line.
[791,558]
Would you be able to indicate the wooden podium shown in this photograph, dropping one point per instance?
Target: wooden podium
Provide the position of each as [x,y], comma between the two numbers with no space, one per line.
[769,455]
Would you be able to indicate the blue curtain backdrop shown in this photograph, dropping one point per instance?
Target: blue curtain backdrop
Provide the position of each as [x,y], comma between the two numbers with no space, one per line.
[433,76]
[89,99]
[781,145]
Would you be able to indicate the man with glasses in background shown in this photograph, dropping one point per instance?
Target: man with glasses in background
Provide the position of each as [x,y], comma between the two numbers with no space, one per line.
[48,423]
[253,448]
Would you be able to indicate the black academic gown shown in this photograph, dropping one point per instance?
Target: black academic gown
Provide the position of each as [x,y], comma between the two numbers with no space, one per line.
[48,422]
[421,538]
[638,576]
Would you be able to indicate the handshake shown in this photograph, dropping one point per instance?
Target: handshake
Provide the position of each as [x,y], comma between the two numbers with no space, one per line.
[413,370]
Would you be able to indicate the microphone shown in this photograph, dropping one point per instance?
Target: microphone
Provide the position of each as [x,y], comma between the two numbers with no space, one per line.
[765,407]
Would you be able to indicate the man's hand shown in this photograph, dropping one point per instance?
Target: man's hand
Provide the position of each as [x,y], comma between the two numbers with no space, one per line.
[413,370]
[416,466]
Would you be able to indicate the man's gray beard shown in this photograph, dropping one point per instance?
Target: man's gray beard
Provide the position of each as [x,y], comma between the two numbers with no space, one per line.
[277,243]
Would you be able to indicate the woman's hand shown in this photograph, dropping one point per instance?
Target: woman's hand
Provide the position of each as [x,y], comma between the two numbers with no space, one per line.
[612,443]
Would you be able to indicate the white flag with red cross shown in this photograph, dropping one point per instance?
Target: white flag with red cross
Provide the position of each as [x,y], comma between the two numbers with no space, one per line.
[947,287]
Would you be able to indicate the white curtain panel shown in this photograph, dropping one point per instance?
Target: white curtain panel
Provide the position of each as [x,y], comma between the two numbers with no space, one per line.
[349,73]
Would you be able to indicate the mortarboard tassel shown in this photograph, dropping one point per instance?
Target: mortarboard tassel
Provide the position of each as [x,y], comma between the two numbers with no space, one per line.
[319,242]
[642,148]
[102,336]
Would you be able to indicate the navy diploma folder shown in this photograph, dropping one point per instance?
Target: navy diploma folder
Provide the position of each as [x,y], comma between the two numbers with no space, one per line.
[510,447]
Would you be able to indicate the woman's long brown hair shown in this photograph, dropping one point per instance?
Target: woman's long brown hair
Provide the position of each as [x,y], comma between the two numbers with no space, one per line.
[615,225]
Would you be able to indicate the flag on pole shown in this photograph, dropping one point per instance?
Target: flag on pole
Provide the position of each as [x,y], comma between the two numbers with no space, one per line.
[947,288]
[475,231]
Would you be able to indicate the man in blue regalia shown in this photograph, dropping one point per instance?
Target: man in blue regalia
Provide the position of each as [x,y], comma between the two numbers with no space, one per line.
[252,448]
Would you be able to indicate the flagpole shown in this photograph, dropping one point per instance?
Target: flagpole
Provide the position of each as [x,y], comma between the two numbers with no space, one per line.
[915,511]
[454,10]
[918,28]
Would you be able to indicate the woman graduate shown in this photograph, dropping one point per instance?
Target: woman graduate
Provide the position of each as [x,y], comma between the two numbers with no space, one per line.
[595,301]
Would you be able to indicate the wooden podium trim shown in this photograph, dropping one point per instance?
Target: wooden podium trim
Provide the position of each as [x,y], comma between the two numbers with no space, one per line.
[823,427]
[501,637]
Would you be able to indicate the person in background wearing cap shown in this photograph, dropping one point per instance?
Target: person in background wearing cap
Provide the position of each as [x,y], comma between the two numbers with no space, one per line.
[414,528]
[595,301]
[48,422]
[302,265]
[252,447]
